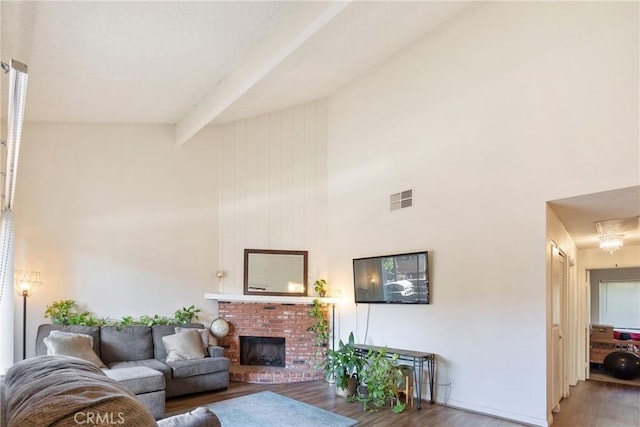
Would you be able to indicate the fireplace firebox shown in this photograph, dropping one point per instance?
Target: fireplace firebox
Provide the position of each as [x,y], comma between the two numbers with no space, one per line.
[262,351]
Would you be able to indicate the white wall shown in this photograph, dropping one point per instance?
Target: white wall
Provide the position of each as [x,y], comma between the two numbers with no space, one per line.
[627,256]
[510,106]
[117,217]
[125,222]
[273,189]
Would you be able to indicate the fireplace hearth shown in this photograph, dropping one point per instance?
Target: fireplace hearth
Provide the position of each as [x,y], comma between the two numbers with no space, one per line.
[262,351]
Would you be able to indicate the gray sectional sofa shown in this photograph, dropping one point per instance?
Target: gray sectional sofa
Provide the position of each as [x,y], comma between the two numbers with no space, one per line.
[136,357]
[67,391]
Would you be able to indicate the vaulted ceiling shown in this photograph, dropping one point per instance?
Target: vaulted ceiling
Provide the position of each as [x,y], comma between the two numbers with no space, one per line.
[194,63]
[191,63]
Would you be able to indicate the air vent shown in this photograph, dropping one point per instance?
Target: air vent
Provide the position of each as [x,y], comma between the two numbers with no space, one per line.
[401,200]
[617,226]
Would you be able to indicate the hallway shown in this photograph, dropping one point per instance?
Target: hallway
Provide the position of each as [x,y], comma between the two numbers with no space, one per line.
[599,404]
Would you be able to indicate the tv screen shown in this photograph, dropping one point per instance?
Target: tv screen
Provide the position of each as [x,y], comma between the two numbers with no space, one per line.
[392,279]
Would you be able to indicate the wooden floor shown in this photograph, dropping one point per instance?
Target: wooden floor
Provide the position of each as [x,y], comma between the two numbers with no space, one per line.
[591,403]
[600,404]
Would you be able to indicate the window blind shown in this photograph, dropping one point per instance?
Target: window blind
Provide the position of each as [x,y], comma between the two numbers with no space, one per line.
[620,303]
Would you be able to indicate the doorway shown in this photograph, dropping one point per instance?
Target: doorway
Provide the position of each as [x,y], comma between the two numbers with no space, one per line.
[615,302]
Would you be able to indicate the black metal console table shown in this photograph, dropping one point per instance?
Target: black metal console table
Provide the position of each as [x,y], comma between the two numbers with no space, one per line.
[417,358]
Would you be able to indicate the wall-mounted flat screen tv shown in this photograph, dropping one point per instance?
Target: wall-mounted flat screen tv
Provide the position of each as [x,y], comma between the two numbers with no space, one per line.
[392,279]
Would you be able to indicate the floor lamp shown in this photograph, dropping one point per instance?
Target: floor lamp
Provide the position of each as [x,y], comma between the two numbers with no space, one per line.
[26,282]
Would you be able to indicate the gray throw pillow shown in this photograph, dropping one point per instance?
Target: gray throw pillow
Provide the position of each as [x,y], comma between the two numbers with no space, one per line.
[60,343]
[183,346]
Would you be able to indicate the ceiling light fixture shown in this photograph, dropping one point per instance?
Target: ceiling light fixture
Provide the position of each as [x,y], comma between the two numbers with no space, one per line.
[611,242]
[611,232]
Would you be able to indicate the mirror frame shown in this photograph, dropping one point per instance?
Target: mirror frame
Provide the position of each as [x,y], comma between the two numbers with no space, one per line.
[274,252]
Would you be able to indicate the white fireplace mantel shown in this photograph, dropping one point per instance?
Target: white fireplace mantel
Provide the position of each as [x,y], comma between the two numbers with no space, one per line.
[279,299]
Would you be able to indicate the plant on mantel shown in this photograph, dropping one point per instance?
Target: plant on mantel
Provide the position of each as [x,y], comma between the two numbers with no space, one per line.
[320,286]
[63,313]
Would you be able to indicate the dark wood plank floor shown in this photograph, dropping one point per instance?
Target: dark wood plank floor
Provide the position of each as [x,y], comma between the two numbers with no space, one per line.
[591,403]
[600,404]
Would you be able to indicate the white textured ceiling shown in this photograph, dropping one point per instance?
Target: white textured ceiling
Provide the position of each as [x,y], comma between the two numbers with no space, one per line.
[354,42]
[140,62]
[197,62]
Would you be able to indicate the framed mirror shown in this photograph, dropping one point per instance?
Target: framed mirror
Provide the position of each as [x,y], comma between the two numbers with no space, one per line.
[275,272]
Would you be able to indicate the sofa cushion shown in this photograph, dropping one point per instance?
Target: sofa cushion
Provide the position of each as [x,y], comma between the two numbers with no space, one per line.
[199,417]
[130,343]
[190,368]
[60,343]
[45,329]
[183,346]
[160,331]
[149,363]
[138,379]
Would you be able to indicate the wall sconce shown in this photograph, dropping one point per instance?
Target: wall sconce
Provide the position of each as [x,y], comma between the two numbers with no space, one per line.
[25,283]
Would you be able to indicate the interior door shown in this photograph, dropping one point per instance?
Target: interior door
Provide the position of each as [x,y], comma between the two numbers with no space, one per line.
[559,321]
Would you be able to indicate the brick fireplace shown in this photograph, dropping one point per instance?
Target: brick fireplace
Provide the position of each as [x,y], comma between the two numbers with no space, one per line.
[275,320]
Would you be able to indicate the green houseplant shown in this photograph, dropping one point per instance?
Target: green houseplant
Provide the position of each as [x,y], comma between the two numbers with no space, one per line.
[321,326]
[320,286]
[186,314]
[344,365]
[63,313]
[381,375]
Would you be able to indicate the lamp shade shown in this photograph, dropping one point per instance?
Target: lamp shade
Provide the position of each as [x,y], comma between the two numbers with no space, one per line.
[25,282]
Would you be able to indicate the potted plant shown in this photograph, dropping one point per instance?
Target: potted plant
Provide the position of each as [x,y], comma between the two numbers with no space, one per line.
[186,314]
[380,376]
[344,365]
[320,286]
[60,311]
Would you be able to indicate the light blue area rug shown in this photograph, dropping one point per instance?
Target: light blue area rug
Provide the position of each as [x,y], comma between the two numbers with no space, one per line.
[269,409]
